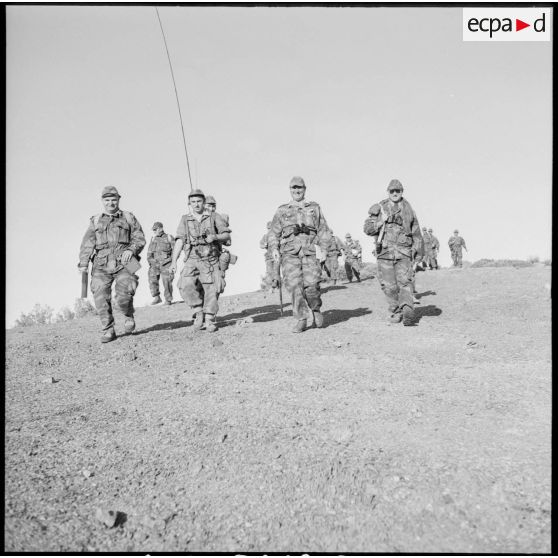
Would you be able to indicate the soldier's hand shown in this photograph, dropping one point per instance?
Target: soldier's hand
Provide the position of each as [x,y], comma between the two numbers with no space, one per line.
[275,254]
[210,238]
[126,256]
[83,268]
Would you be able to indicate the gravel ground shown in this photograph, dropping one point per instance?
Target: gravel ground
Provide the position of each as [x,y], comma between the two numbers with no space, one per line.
[364,436]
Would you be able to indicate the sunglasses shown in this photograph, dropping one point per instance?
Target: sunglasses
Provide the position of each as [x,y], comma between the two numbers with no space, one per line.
[395,190]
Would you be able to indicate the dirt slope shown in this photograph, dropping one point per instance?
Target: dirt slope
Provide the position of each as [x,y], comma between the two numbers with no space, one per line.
[363,437]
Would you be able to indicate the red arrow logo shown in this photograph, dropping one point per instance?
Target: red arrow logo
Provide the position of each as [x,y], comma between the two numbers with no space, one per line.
[519,25]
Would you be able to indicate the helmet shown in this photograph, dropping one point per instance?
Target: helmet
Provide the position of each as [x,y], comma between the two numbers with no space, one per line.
[455,231]
[429,230]
[297,181]
[196,193]
[157,225]
[394,183]
[348,235]
[423,228]
[210,199]
[110,191]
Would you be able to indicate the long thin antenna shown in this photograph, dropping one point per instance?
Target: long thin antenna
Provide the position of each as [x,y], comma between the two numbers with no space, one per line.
[177,101]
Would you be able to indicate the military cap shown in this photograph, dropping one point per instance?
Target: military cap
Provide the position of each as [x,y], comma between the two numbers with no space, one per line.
[429,230]
[210,199]
[423,228]
[394,183]
[196,193]
[297,181]
[157,225]
[455,231]
[110,191]
[348,235]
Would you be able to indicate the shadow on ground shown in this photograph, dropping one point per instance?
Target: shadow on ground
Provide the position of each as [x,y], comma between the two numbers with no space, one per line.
[332,317]
[430,310]
[425,293]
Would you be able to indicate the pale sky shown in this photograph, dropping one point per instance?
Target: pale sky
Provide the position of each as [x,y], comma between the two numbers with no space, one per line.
[347,98]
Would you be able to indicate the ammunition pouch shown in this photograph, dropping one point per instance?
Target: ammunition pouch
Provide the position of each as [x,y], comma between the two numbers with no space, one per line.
[298,229]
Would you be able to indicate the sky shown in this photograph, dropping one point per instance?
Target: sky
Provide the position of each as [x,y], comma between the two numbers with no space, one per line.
[347,98]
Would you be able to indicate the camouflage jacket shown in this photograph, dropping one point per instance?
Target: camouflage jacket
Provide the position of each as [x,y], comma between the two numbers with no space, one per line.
[264,245]
[335,247]
[455,243]
[435,243]
[399,234]
[297,227]
[353,250]
[107,237]
[193,233]
[427,240]
[160,249]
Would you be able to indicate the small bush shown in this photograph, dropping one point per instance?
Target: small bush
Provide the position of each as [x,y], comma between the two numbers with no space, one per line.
[533,259]
[501,263]
[64,315]
[82,307]
[39,315]
[547,262]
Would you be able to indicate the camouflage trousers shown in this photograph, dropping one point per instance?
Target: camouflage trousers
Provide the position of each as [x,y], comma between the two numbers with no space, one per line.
[197,284]
[271,273]
[331,267]
[301,277]
[457,257]
[396,279]
[352,268]
[154,274]
[125,285]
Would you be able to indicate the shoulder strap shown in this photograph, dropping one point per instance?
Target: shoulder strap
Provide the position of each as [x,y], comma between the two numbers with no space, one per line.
[129,217]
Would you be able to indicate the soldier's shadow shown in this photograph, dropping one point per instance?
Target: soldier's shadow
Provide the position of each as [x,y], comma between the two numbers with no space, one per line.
[332,317]
[167,326]
[430,310]
[266,313]
[425,293]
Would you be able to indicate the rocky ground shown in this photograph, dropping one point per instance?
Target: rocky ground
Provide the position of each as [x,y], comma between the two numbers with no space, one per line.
[363,436]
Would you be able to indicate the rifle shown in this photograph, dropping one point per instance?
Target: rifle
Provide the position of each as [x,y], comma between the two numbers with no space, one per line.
[84,278]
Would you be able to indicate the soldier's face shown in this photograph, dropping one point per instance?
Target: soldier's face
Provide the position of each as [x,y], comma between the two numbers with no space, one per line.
[297,193]
[395,194]
[158,230]
[211,207]
[111,203]
[197,204]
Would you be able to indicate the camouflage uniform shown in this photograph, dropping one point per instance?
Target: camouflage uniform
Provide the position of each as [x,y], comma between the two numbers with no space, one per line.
[295,229]
[331,264]
[353,252]
[201,280]
[427,243]
[456,243]
[106,238]
[159,256]
[434,250]
[271,266]
[399,243]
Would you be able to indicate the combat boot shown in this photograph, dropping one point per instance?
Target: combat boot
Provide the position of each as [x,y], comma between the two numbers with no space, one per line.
[210,324]
[318,319]
[168,302]
[395,318]
[108,336]
[408,315]
[129,325]
[156,300]
[198,320]
[300,326]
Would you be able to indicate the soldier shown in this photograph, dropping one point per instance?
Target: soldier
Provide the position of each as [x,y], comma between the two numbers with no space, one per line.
[427,244]
[296,227]
[353,251]
[455,244]
[435,246]
[399,242]
[159,256]
[331,263]
[113,238]
[200,233]
[225,257]
[271,266]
